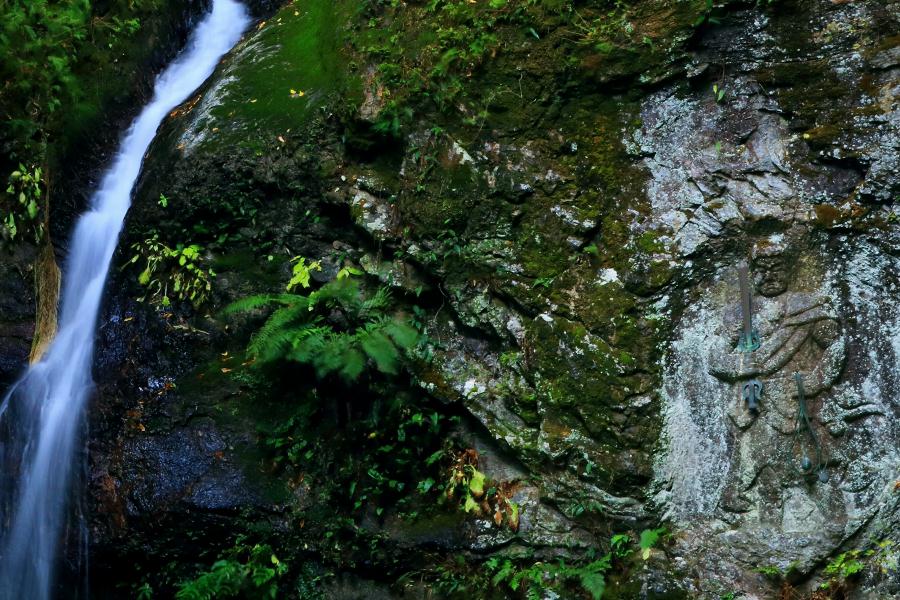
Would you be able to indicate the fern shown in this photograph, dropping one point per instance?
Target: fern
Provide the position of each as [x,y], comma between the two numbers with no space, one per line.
[276,336]
[594,583]
[376,304]
[255,577]
[296,330]
[379,347]
[261,301]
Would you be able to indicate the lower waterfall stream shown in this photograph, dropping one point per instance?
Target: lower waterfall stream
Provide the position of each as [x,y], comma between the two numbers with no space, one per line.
[43,412]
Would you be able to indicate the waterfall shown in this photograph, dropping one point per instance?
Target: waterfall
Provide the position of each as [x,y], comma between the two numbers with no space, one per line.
[43,413]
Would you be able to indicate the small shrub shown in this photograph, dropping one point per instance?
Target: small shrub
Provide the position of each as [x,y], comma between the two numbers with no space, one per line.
[172,273]
[23,208]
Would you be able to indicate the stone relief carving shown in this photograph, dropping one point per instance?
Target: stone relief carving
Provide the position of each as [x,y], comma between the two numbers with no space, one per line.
[779,469]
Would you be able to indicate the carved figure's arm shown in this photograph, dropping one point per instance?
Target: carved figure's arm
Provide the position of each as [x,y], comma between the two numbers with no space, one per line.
[782,348]
[827,334]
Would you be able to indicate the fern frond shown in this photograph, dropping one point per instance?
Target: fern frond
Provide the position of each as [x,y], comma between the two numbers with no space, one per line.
[404,335]
[341,292]
[308,343]
[272,346]
[254,302]
[375,304]
[278,333]
[380,349]
[330,356]
[295,330]
[354,364]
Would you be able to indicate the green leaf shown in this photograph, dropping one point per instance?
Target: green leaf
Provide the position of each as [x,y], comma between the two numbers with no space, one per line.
[505,571]
[347,272]
[649,538]
[476,483]
[404,335]
[11,225]
[302,272]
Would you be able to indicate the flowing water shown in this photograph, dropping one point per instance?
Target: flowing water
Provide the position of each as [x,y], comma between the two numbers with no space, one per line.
[43,413]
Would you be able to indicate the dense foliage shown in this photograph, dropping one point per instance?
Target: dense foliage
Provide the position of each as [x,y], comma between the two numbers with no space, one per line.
[39,41]
[51,52]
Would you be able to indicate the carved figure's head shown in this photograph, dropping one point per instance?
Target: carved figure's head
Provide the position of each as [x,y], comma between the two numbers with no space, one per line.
[771,265]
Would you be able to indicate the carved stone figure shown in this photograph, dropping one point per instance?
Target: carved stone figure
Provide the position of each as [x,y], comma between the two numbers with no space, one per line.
[780,461]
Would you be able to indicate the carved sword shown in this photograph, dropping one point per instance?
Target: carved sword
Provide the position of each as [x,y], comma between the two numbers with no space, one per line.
[749,337]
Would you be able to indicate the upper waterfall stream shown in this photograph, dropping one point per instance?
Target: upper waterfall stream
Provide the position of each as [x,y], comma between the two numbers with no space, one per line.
[43,413]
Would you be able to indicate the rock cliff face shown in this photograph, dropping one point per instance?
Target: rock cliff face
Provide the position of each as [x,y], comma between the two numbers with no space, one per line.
[572,228]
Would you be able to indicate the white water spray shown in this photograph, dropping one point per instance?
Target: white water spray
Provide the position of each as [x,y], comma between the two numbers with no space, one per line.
[43,412]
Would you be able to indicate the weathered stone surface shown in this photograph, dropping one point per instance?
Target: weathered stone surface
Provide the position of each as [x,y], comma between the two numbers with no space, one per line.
[751,179]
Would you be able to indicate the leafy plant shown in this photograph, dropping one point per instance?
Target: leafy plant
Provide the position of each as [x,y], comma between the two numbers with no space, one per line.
[773,572]
[44,44]
[252,573]
[25,190]
[708,16]
[848,566]
[473,492]
[584,506]
[845,565]
[168,273]
[459,36]
[145,592]
[718,93]
[301,272]
[590,576]
[38,41]
[540,576]
[648,540]
[604,32]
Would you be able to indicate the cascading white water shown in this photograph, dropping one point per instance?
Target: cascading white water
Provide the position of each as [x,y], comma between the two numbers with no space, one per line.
[43,412]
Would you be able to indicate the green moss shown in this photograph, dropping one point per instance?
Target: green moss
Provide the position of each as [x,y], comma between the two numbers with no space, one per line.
[638,39]
[284,71]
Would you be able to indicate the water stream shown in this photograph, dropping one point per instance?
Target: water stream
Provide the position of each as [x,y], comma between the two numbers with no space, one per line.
[43,413]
